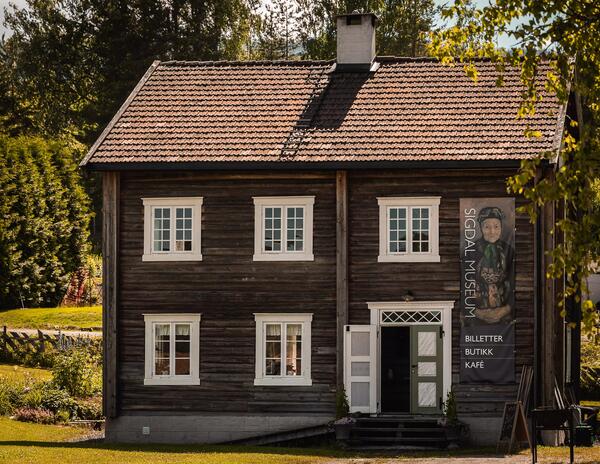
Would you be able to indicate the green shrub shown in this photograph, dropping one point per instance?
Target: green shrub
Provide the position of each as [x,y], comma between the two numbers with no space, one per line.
[9,396]
[32,397]
[89,409]
[450,408]
[37,415]
[62,416]
[44,220]
[27,355]
[77,372]
[590,370]
[59,401]
[342,408]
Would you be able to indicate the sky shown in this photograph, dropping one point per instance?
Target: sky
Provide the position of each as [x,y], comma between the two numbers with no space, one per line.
[503,41]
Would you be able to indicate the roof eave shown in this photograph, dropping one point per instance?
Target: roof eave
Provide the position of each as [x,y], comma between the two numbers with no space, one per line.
[117,116]
[315,165]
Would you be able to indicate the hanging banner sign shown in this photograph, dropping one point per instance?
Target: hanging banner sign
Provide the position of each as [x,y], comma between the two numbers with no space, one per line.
[487,295]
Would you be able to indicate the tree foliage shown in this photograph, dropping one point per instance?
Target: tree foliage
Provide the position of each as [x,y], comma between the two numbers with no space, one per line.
[44,219]
[69,64]
[400,31]
[567,33]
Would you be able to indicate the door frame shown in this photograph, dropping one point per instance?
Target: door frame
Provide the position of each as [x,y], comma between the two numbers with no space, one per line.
[413,308]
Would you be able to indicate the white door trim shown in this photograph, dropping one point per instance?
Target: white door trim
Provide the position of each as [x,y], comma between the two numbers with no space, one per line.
[416,306]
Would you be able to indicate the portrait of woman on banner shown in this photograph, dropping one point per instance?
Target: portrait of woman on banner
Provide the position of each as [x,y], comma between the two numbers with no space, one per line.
[494,269]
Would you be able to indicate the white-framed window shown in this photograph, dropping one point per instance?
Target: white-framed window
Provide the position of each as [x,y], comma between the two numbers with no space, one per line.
[283,349]
[283,228]
[172,349]
[172,229]
[409,229]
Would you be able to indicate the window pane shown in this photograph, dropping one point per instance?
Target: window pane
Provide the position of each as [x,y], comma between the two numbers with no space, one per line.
[273,367]
[397,230]
[162,344]
[162,228]
[295,229]
[420,230]
[273,349]
[161,366]
[183,229]
[272,229]
[182,366]
[293,356]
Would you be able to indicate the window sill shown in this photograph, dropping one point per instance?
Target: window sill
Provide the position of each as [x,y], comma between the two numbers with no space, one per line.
[284,257]
[283,381]
[172,257]
[408,258]
[172,381]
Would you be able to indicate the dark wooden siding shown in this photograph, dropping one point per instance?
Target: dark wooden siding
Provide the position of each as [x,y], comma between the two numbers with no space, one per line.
[227,287]
[373,281]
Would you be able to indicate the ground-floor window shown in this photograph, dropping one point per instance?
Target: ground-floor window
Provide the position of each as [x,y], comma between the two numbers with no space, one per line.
[172,354]
[283,349]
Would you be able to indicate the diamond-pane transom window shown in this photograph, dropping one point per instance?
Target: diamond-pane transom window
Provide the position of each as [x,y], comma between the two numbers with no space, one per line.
[411,317]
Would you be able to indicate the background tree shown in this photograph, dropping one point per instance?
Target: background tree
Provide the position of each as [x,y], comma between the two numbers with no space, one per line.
[567,33]
[73,62]
[275,31]
[44,219]
[400,31]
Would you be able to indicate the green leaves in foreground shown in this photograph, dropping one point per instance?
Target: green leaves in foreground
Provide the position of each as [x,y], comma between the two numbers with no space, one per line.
[566,34]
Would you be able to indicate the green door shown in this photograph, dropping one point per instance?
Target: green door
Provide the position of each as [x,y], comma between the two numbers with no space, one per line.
[426,359]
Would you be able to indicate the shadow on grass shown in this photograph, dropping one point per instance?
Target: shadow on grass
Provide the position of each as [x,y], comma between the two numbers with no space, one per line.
[328,452]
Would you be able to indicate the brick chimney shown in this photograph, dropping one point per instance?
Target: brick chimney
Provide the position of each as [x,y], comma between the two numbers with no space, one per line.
[356,41]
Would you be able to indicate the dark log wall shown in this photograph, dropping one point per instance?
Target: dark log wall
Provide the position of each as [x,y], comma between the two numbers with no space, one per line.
[227,287]
[373,281]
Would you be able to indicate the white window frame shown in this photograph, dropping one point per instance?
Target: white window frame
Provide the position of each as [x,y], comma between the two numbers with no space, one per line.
[195,254]
[194,377]
[431,256]
[260,203]
[262,319]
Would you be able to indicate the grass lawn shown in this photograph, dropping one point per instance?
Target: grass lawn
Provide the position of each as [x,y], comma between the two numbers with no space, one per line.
[49,444]
[19,373]
[53,318]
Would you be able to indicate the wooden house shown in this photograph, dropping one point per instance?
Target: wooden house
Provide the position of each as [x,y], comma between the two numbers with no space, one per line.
[274,231]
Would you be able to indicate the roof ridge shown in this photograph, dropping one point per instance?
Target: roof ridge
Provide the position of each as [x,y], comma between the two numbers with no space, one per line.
[249,63]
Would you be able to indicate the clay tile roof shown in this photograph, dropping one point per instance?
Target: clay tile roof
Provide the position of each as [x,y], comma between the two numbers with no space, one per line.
[300,111]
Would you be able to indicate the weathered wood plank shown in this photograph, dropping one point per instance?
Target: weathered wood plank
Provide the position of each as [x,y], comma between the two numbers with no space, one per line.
[110,250]
[341,268]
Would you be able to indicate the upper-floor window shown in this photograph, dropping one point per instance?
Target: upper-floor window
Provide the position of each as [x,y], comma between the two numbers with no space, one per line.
[172,349]
[172,229]
[409,229]
[283,228]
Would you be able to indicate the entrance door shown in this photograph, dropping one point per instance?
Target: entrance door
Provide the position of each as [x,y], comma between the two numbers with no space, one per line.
[360,355]
[395,369]
[426,369]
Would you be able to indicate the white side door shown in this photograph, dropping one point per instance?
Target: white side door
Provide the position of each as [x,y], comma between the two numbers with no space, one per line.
[360,367]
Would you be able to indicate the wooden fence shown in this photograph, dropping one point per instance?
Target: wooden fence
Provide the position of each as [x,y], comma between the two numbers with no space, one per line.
[17,341]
